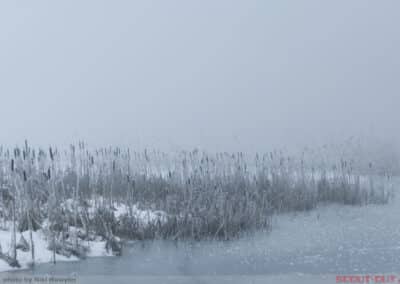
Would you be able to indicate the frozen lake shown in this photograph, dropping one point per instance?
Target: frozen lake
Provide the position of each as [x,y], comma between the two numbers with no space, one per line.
[330,240]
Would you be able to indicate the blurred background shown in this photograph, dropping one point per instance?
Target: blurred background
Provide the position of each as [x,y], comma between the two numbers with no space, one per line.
[217,75]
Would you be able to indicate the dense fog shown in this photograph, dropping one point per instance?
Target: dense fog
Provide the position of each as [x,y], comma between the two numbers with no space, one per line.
[218,75]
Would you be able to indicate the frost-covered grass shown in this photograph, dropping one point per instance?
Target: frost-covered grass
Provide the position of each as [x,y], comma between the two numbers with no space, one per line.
[96,244]
[111,193]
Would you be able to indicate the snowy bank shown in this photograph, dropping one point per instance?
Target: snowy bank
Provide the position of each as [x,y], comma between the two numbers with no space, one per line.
[42,253]
[96,245]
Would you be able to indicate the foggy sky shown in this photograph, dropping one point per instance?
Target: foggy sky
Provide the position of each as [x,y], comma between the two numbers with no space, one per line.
[219,75]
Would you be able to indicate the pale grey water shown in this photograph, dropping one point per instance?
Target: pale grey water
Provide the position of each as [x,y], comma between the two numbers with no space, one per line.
[235,258]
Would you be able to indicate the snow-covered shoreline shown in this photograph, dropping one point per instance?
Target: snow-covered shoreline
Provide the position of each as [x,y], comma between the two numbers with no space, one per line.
[42,253]
[96,246]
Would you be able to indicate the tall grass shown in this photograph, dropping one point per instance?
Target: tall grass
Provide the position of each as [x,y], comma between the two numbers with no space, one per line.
[203,195]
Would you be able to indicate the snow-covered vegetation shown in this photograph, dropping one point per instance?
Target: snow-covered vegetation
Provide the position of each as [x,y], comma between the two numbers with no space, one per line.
[67,203]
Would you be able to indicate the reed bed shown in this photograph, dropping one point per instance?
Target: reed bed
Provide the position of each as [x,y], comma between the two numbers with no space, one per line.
[197,195]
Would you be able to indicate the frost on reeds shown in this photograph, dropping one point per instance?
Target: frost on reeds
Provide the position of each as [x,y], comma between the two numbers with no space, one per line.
[80,193]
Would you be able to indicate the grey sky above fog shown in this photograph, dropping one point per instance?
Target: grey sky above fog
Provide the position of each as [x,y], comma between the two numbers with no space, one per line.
[219,75]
